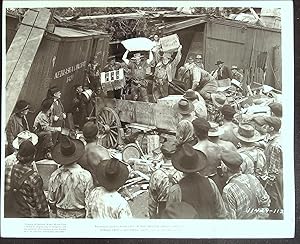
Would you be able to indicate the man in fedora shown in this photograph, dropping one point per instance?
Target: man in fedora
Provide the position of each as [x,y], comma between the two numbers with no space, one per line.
[202,81]
[210,149]
[104,202]
[199,103]
[94,153]
[222,72]
[161,180]
[198,191]
[138,68]
[218,100]
[236,74]
[16,124]
[244,196]
[254,159]
[28,199]
[165,73]
[214,134]
[228,113]
[70,184]
[186,110]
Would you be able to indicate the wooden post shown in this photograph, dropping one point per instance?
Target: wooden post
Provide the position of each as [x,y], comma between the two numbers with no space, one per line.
[21,53]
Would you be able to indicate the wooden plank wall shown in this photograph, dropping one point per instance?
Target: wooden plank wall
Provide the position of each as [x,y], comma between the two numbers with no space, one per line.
[21,54]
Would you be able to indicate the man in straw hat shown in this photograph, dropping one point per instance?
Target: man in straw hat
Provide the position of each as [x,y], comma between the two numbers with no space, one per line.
[198,191]
[165,73]
[104,202]
[161,180]
[70,184]
[254,159]
[199,103]
[24,195]
[244,196]
[138,69]
[16,124]
[185,109]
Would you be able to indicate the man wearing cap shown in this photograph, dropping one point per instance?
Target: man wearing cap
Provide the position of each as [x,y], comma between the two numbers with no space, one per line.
[202,81]
[254,159]
[197,100]
[138,69]
[16,124]
[274,165]
[94,153]
[222,72]
[228,113]
[165,73]
[211,150]
[198,191]
[214,134]
[244,196]
[235,74]
[185,109]
[161,180]
[29,197]
[70,184]
[104,201]
[44,128]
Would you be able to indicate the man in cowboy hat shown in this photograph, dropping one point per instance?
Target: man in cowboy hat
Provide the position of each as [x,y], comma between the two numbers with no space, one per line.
[198,191]
[161,180]
[274,165]
[202,81]
[199,103]
[70,184]
[222,72]
[214,134]
[94,153]
[218,100]
[228,113]
[244,196]
[44,128]
[104,202]
[211,150]
[16,124]
[236,74]
[138,69]
[186,110]
[254,159]
[28,199]
[165,73]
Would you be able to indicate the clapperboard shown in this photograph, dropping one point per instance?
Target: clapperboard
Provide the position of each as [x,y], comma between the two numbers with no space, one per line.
[112,80]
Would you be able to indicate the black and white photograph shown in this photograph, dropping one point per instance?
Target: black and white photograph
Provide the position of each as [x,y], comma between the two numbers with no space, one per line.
[157,114]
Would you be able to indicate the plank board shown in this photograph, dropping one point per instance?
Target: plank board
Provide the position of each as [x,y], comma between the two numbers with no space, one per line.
[15,50]
[18,77]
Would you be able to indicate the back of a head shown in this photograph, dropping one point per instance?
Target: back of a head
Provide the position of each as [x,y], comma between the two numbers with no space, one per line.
[26,152]
[201,128]
[228,112]
[90,131]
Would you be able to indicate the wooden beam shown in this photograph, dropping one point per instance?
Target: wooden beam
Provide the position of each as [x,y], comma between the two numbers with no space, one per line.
[25,54]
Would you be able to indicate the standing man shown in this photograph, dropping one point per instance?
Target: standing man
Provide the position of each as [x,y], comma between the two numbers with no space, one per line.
[24,195]
[138,69]
[161,181]
[228,113]
[16,124]
[198,191]
[79,106]
[222,72]
[244,196]
[235,74]
[93,74]
[203,82]
[164,73]
[70,184]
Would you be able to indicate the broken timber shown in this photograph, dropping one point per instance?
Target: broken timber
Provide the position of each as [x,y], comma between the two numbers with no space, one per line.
[21,53]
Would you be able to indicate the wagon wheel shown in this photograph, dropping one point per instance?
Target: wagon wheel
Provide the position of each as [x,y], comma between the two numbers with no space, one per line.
[109,123]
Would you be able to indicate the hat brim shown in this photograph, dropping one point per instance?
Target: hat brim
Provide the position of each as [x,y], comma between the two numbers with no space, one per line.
[217,63]
[34,140]
[179,166]
[191,98]
[184,112]
[219,132]
[22,109]
[59,158]
[255,138]
[219,105]
[117,181]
